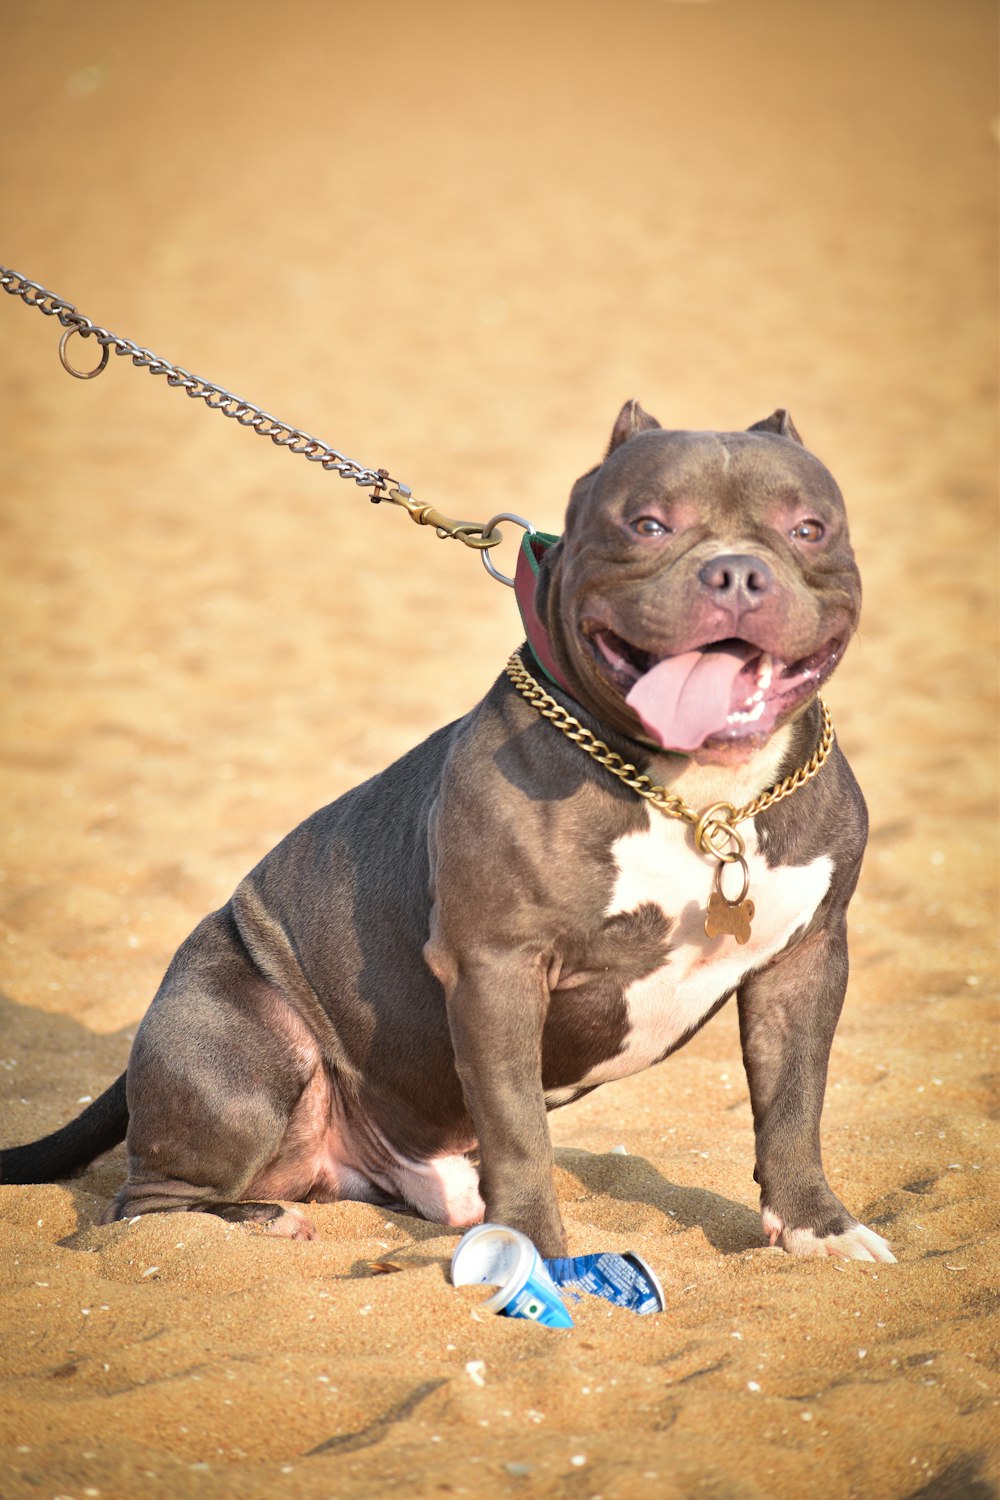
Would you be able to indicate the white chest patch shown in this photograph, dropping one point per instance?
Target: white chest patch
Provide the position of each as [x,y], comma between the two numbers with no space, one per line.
[659,865]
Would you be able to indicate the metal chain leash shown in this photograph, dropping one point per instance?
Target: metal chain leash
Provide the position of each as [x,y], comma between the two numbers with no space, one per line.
[478,535]
[715,831]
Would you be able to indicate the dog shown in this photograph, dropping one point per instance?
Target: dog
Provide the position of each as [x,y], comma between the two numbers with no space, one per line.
[549,893]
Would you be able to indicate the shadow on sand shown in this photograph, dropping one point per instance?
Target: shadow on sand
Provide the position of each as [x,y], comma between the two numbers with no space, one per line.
[729,1227]
[52,1063]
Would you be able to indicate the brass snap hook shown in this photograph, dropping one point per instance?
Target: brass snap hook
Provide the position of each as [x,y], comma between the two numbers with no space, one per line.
[70,369]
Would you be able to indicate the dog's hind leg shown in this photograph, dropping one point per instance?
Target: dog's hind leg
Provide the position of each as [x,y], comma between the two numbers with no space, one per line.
[213,1083]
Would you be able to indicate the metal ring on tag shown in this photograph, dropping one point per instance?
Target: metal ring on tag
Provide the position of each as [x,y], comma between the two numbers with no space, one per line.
[710,827]
[505,515]
[70,370]
[735,900]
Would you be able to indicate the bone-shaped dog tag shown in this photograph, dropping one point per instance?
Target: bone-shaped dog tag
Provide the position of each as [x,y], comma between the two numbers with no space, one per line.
[727,918]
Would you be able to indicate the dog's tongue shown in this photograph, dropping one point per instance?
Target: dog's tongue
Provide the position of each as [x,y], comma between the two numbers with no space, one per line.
[686,699]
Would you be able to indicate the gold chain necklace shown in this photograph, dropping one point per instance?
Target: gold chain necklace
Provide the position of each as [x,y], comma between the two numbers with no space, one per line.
[715,831]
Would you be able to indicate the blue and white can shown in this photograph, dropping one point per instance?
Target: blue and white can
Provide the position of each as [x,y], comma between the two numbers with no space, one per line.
[624,1280]
[497,1256]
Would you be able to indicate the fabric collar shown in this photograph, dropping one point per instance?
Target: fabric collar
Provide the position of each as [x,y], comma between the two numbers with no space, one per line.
[534,545]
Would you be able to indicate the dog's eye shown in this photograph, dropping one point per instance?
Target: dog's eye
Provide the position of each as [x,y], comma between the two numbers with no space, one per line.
[809,531]
[649,526]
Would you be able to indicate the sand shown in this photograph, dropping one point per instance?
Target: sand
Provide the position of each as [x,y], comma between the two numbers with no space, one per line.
[452,239]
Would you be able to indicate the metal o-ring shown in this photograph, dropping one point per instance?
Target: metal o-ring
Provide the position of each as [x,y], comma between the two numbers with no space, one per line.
[488,530]
[714,825]
[734,900]
[70,369]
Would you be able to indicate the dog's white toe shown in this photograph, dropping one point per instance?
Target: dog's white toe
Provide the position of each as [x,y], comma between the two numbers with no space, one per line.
[856,1243]
[859,1243]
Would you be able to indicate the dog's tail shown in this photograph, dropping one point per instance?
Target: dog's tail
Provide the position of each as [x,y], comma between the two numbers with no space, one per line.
[101,1126]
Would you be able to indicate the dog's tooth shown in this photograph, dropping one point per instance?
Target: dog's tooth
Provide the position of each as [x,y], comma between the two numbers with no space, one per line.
[748,716]
[765,671]
[610,655]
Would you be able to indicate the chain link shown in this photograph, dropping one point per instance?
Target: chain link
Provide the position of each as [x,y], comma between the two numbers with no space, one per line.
[383,487]
[716,822]
[215,396]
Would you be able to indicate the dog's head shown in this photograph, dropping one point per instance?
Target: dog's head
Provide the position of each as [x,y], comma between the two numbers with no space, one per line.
[704,588]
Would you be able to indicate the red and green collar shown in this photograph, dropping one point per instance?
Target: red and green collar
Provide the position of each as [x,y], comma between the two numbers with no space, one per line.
[534,545]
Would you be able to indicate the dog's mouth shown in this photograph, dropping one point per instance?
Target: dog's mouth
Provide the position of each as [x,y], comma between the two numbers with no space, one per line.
[721,692]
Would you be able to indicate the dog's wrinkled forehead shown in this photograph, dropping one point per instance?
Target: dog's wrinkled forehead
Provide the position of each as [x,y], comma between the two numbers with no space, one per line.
[708,476]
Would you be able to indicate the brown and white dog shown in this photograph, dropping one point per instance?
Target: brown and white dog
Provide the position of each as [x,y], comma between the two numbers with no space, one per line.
[396,995]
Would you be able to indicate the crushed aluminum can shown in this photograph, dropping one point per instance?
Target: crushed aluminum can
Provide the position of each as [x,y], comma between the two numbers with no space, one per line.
[624,1280]
[494,1255]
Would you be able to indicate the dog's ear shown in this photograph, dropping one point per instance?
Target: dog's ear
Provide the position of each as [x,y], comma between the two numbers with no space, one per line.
[631,419]
[780,422]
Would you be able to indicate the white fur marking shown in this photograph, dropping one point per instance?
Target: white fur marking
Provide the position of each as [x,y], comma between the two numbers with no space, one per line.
[444,1189]
[659,865]
[857,1243]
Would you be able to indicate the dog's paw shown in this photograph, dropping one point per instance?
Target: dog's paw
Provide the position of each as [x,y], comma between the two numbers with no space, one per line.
[290,1225]
[855,1242]
[273,1218]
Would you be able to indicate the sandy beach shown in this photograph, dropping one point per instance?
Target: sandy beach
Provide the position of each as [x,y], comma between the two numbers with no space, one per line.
[451,240]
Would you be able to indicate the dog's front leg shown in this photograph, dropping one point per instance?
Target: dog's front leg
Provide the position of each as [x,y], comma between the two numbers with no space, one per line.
[788,1015]
[496,1012]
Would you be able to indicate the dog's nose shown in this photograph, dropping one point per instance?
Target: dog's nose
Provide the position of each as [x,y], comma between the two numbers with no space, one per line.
[737,580]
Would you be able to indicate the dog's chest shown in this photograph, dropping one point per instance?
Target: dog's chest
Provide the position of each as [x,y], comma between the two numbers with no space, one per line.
[659,866]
